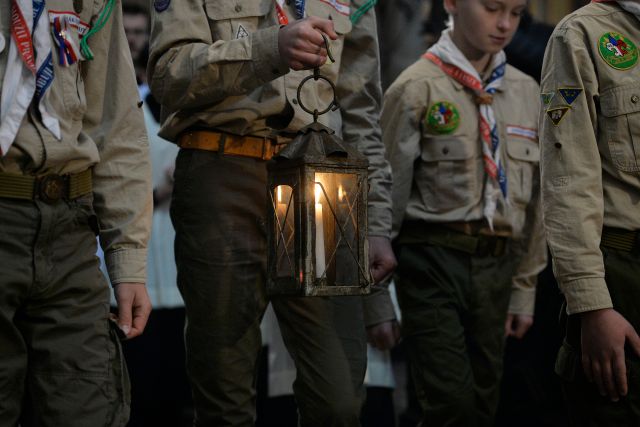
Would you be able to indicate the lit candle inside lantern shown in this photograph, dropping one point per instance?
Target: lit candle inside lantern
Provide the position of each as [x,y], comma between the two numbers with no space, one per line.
[320,261]
[281,208]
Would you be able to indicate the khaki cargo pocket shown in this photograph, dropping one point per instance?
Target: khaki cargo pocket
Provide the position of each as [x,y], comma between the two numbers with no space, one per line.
[236,19]
[620,107]
[567,362]
[121,398]
[446,177]
[522,164]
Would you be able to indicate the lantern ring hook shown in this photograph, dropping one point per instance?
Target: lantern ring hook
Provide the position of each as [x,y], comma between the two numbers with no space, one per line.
[317,76]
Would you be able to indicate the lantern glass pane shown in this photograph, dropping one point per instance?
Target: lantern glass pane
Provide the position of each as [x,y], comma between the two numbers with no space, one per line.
[336,228]
[284,231]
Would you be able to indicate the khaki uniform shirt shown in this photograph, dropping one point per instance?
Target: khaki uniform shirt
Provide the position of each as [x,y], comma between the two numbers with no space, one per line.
[102,127]
[439,177]
[590,146]
[215,64]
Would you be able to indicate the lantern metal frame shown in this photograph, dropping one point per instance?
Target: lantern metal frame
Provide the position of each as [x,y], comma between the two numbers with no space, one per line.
[316,150]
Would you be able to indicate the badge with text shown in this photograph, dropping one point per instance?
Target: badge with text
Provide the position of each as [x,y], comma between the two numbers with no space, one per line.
[618,51]
[443,117]
[547,97]
[557,114]
[570,94]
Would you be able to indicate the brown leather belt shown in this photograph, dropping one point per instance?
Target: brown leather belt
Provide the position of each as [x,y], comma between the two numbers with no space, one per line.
[225,143]
[48,188]
[620,239]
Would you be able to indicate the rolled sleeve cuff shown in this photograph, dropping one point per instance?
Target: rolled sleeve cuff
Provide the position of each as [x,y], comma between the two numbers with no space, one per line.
[586,295]
[268,64]
[523,301]
[127,266]
[379,222]
[378,306]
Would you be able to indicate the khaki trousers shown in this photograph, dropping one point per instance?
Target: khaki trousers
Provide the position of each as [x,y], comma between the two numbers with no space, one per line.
[218,211]
[60,362]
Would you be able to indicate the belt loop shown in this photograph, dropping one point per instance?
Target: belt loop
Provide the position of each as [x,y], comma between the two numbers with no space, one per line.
[221,144]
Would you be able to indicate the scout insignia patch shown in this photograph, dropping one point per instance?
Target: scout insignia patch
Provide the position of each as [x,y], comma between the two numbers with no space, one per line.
[547,97]
[523,132]
[618,51]
[443,117]
[241,33]
[63,24]
[557,114]
[570,94]
[161,5]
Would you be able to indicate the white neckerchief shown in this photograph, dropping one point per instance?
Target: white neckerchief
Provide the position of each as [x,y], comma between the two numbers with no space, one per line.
[495,189]
[630,6]
[20,84]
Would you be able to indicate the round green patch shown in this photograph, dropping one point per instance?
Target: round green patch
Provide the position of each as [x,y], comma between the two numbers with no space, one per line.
[618,51]
[443,117]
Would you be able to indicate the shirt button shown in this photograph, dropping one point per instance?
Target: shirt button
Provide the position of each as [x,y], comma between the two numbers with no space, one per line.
[635,99]
[445,150]
[558,145]
[238,8]
[528,152]
[294,101]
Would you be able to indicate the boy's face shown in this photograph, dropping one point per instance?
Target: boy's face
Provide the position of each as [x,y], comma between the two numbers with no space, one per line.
[484,26]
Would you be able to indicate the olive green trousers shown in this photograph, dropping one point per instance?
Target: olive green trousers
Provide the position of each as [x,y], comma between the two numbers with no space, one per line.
[60,361]
[454,306]
[586,407]
[219,211]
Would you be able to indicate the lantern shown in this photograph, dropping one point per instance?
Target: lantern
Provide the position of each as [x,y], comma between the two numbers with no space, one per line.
[317,218]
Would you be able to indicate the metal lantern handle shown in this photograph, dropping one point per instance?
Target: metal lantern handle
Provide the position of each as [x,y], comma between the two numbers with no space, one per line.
[317,76]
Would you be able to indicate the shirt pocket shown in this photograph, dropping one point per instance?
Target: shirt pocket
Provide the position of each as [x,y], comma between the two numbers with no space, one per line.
[446,176]
[68,77]
[620,107]
[522,164]
[236,19]
[338,11]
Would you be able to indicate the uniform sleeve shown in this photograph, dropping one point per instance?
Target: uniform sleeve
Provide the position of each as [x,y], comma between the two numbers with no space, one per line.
[400,122]
[122,178]
[360,95]
[572,195]
[188,68]
[532,251]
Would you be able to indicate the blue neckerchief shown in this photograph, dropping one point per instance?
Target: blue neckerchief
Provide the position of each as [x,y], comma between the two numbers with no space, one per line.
[299,9]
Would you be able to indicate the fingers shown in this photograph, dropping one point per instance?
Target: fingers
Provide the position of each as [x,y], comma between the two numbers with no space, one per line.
[134,307]
[634,341]
[324,26]
[586,367]
[608,382]
[620,375]
[140,317]
[124,313]
[508,328]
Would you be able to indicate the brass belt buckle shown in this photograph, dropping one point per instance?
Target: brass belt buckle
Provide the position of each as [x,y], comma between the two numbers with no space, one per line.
[50,188]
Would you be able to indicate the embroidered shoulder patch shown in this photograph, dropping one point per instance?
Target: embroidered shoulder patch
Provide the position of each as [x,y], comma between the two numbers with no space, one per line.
[241,33]
[522,132]
[570,94]
[442,117]
[557,114]
[618,51]
[161,5]
[547,97]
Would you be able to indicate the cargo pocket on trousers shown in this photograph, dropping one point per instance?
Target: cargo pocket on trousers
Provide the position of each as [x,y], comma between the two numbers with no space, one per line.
[121,398]
[567,362]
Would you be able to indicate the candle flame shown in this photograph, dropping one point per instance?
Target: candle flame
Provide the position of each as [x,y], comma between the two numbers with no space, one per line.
[340,193]
[279,189]
[318,192]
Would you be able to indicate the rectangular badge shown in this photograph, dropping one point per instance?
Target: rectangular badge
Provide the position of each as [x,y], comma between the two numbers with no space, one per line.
[522,132]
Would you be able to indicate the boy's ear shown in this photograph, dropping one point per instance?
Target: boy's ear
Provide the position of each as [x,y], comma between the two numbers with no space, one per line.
[451,6]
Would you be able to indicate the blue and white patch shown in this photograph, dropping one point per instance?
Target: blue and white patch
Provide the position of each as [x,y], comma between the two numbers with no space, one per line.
[523,132]
[570,93]
[241,33]
[161,5]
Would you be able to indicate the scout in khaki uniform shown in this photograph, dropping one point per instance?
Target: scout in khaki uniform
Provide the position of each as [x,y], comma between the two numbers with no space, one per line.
[460,132]
[221,71]
[74,163]
[590,140]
